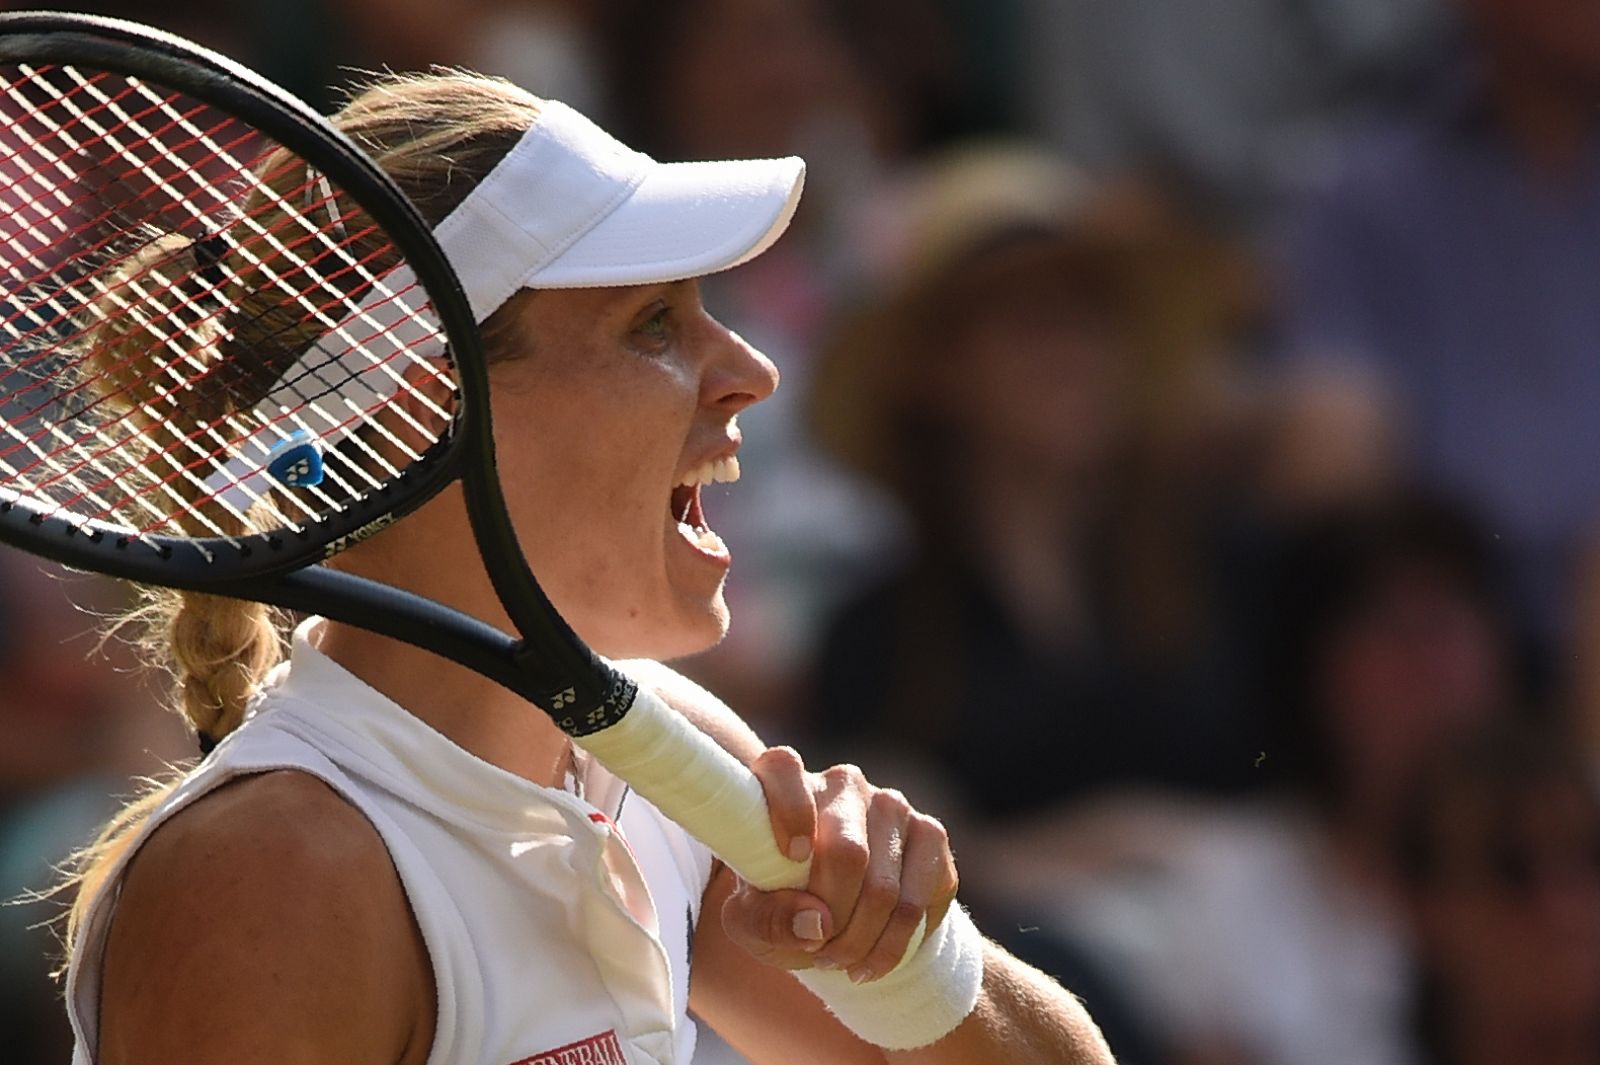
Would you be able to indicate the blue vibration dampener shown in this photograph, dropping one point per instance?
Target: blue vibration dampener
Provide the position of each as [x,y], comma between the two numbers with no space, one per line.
[296,462]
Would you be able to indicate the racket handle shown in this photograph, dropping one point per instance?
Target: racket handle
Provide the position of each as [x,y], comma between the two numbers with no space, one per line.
[708,791]
[702,787]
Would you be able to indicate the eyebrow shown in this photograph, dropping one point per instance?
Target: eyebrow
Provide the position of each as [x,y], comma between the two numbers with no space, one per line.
[657,289]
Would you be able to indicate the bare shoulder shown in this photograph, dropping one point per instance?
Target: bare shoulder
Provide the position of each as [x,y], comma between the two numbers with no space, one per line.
[266,921]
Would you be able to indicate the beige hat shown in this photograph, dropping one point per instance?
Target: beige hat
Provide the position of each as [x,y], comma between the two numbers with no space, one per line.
[983,220]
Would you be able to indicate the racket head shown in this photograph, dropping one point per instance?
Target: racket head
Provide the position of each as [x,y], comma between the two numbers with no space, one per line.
[287,314]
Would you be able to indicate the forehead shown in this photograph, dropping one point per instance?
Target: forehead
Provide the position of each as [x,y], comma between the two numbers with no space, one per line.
[593,305]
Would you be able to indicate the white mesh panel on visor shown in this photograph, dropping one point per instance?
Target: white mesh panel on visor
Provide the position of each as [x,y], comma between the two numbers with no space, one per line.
[340,386]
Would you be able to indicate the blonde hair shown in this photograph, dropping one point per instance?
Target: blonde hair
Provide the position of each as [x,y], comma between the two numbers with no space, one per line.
[436,135]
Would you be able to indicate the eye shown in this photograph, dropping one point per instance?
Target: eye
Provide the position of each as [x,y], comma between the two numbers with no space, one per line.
[653,331]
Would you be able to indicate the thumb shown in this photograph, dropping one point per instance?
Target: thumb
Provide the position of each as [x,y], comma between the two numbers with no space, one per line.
[781,928]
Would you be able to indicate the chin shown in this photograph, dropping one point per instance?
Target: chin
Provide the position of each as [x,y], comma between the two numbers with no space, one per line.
[683,633]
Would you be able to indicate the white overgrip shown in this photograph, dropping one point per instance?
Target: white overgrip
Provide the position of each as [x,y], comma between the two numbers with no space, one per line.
[708,791]
[699,785]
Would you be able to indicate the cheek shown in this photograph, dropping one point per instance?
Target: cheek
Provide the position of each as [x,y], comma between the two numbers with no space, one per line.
[585,460]
[570,491]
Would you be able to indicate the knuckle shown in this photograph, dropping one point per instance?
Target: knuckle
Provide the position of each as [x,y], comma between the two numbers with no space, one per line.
[774,931]
[781,759]
[888,800]
[850,853]
[843,775]
[907,913]
[930,829]
[881,892]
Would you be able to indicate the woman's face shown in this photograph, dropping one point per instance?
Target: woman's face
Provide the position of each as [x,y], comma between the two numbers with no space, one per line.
[1424,659]
[619,398]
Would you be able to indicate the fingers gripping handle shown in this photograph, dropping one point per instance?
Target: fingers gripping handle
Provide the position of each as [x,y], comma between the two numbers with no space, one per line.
[700,786]
[706,790]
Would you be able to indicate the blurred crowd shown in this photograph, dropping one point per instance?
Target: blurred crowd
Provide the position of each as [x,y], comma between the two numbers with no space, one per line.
[1185,482]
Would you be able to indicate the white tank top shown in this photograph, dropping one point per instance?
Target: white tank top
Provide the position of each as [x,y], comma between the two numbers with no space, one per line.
[558,927]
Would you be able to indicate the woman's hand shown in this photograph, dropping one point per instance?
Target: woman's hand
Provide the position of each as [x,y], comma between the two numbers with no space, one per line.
[878,868]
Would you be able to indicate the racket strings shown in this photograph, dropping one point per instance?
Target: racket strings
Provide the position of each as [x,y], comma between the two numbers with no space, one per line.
[96,353]
[21,283]
[293,415]
[185,298]
[319,183]
[67,475]
[131,279]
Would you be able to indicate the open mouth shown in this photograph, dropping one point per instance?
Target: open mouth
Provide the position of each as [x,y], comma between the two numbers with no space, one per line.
[686,508]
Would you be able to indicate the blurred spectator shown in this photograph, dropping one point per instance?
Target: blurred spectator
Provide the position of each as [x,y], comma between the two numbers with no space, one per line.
[1050,637]
[1395,627]
[1271,933]
[708,79]
[1453,252]
[291,42]
[1501,852]
[75,731]
[546,46]
[1226,100]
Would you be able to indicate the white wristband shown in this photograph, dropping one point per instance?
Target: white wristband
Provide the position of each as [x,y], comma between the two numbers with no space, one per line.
[922,1000]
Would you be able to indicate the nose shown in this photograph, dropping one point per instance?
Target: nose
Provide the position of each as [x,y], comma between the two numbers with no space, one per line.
[739,375]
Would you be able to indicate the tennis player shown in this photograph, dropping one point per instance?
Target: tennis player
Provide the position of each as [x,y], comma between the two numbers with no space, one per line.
[385,857]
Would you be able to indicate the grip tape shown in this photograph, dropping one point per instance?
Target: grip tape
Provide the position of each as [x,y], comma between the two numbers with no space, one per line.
[702,787]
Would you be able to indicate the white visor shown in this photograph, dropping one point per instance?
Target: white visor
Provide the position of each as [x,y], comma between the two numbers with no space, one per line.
[572,207]
[569,206]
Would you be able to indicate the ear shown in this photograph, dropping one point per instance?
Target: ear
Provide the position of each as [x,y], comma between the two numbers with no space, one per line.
[426,400]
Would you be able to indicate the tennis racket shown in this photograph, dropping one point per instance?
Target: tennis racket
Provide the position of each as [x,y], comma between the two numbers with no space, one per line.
[149,183]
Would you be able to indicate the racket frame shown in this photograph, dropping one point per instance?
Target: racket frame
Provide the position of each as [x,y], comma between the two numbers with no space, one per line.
[652,747]
[548,665]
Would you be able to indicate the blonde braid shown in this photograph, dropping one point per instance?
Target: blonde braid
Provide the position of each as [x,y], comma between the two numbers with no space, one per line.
[222,649]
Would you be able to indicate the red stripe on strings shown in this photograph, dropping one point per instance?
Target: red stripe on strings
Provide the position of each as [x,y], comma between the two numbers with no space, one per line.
[204,457]
[361,416]
[128,280]
[113,266]
[62,128]
[123,205]
[100,430]
[114,236]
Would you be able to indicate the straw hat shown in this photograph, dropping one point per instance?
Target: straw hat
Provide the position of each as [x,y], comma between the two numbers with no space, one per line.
[978,224]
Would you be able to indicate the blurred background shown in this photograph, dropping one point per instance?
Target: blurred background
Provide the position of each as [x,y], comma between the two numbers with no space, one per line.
[1186,482]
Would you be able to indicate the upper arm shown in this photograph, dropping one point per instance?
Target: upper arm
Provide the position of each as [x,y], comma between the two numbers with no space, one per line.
[265,923]
[762,1012]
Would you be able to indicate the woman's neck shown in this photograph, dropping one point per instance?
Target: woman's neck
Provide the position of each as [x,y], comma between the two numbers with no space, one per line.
[470,710]
[473,712]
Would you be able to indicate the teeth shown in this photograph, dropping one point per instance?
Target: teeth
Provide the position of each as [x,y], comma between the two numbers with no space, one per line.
[720,471]
[704,539]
